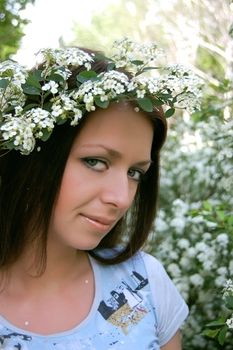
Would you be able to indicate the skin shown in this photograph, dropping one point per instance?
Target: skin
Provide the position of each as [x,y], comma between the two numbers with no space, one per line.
[105,174]
[174,343]
[99,184]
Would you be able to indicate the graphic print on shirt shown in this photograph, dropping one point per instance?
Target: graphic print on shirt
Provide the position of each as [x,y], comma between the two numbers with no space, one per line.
[123,316]
[125,306]
[16,340]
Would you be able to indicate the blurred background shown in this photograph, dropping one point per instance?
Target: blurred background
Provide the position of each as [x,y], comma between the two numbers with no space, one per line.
[193,234]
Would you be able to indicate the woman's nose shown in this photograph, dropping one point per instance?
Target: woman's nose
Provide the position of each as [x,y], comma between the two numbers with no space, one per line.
[119,191]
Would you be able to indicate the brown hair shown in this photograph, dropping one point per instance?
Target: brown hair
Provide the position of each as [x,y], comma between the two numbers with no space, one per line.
[29,186]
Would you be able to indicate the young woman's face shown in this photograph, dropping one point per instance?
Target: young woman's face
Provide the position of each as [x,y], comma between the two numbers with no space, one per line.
[107,160]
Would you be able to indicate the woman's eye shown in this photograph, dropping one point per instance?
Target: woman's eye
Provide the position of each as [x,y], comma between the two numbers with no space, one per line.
[136,174]
[95,164]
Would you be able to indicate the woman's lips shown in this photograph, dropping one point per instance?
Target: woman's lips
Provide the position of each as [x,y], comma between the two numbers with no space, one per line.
[99,223]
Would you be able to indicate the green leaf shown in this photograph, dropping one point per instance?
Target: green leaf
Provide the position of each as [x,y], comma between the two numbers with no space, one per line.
[4,83]
[158,102]
[222,335]
[10,145]
[221,215]
[33,81]
[148,68]
[229,302]
[30,106]
[101,57]
[30,90]
[218,323]
[230,220]
[87,75]
[146,104]
[169,112]
[60,120]
[207,206]
[38,75]
[46,135]
[137,62]
[55,77]
[111,66]
[165,96]
[101,104]
[9,109]
[211,333]
[48,106]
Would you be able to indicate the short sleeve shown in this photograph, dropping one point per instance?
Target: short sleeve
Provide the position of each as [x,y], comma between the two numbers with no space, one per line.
[171,308]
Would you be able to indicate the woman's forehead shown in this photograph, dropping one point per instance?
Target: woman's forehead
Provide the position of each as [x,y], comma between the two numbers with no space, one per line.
[116,129]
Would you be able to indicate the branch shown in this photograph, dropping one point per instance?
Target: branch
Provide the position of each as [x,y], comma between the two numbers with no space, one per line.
[206,76]
[212,48]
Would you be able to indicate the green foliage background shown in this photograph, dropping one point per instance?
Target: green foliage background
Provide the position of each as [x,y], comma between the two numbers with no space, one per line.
[11,26]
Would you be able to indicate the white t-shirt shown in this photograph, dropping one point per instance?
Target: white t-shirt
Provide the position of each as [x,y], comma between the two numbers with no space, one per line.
[136,306]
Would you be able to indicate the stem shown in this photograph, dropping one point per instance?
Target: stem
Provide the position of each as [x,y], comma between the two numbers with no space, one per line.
[1,102]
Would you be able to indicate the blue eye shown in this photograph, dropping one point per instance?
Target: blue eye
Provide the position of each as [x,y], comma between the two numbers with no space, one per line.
[95,163]
[136,174]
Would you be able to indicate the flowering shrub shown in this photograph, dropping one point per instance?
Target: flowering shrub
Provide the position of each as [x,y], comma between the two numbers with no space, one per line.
[194,228]
[218,329]
[228,298]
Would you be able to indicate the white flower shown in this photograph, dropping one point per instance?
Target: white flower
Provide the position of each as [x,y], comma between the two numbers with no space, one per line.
[197,280]
[229,322]
[67,57]
[222,270]
[180,206]
[184,262]
[127,51]
[77,116]
[207,236]
[173,255]
[14,71]
[51,86]
[14,75]
[231,267]
[208,264]
[64,72]
[174,270]
[20,132]
[183,243]
[88,98]
[18,110]
[57,110]
[211,224]
[141,93]
[201,247]
[191,252]
[222,239]
[103,98]
[41,118]
[112,85]
[178,223]
[198,219]
[161,225]
[228,288]
[220,280]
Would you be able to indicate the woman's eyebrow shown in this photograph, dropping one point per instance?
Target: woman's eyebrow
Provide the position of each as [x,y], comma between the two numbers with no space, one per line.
[115,154]
[144,162]
[110,151]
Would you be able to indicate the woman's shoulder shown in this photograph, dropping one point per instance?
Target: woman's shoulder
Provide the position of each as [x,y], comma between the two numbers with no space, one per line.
[113,252]
[141,259]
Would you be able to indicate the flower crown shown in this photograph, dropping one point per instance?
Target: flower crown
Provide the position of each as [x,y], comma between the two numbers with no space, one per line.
[33,102]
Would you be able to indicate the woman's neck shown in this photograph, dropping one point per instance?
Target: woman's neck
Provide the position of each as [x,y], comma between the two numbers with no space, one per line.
[50,302]
[62,266]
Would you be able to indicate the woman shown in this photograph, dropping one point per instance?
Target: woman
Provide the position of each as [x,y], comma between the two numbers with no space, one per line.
[76,210]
